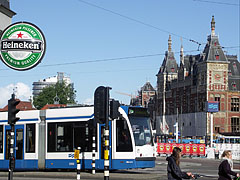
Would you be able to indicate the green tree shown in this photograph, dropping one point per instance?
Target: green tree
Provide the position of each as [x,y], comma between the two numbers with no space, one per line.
[65,93]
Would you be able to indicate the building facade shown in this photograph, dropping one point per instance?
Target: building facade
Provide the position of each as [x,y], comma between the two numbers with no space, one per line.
[146,94]
[182,91]
[38,86]
[5,14]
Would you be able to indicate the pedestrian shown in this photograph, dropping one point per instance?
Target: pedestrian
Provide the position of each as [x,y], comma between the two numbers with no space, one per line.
[225,169]
[173,169]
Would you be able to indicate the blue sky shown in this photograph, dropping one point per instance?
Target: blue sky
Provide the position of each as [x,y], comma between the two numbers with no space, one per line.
[79,31]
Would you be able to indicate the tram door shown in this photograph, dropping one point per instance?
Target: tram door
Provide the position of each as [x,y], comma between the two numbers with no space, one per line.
[19,143]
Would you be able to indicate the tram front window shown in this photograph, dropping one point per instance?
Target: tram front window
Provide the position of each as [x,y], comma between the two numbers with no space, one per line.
[141,130]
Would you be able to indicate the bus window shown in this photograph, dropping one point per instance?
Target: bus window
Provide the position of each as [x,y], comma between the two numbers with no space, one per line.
[1,139]
[30,136]
[124,143]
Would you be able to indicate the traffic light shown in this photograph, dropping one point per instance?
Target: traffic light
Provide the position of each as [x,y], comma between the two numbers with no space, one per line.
[100,104]
[114,105]
[12,110]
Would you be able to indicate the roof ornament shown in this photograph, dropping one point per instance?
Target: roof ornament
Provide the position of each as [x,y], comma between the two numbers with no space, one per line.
[15,90]
[169,44]
[56,99]
[213,26]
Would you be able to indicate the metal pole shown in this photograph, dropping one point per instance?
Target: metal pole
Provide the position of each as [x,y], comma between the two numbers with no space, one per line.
[163,117]
[11,158]
[106,135]
[181,131]
[79,165]
[177,127]
[211,129]
[93,150]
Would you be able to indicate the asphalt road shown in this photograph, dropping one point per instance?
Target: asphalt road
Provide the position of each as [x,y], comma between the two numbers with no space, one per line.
[207,167]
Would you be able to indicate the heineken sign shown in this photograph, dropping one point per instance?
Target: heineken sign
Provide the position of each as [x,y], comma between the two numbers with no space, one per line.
[22,46]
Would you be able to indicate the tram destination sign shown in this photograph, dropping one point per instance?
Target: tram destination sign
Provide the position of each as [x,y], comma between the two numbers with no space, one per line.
[139,112]
[22,46]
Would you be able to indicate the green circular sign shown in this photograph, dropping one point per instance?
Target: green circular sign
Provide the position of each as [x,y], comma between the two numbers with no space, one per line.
[22,46]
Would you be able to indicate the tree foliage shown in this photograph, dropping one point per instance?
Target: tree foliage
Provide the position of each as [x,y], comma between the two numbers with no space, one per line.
[65,93]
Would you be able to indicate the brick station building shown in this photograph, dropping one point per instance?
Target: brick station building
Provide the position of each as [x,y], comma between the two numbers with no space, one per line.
[182,91]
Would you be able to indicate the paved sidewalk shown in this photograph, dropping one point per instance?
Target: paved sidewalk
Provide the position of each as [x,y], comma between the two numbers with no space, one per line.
[123,175]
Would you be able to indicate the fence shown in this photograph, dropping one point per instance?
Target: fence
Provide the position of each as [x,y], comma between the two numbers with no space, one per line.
[187,149]
[235,148]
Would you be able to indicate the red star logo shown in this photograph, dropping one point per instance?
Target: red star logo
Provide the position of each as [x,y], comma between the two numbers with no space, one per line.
[20,35]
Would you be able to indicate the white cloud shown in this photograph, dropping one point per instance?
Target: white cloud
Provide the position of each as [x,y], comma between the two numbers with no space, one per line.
[89,101]
[22,91]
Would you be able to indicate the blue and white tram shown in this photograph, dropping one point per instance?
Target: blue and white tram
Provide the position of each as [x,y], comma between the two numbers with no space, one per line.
[46,139]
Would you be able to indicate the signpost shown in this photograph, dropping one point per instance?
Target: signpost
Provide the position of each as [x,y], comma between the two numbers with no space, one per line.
[212,106]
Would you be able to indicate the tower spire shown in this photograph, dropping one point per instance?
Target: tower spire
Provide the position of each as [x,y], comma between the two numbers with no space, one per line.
[169,44]
[181,54]
[213,26]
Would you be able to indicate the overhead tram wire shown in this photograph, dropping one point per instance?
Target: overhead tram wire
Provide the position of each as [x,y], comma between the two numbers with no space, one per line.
[119,58]
[217,2]
[112,59]
[140,22]
[124,58]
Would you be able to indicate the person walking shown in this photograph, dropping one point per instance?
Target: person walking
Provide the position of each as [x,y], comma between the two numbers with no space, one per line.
[225,169]
[173,169]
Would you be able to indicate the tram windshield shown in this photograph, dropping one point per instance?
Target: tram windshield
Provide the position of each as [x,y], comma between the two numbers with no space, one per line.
[141,130]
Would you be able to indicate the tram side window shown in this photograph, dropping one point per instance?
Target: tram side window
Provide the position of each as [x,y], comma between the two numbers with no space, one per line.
[64,137]
[30,135]
[60,137]
[51,137]
[227,140]
[1,139]
[232,141]
[82,137]
[124,143]
[67,136]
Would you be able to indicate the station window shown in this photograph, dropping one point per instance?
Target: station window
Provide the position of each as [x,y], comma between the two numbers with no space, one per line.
[1,139]
[30,136]
[124,143]
[235,104]
[219,102]
[68,136]
[235,124]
